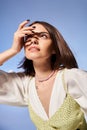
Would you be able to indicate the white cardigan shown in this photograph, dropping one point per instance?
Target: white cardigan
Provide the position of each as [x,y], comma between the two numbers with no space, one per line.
[18,89]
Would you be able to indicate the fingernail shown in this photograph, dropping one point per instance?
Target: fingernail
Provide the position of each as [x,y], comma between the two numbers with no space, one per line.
[28,20]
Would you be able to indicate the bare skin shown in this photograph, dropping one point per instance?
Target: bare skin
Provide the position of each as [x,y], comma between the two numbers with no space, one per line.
[41,61]
[39,50]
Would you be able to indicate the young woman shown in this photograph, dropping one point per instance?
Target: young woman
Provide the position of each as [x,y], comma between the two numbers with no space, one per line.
[52,86]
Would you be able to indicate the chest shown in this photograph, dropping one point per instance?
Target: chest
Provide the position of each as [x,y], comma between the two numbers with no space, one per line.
[68,112]
[44,91]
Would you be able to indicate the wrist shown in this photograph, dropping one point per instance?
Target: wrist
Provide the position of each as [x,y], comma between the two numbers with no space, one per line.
[13,51]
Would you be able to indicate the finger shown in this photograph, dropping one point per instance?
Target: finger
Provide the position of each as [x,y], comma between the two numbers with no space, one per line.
[27,28]
[24,33]
[27,31]
[23,24]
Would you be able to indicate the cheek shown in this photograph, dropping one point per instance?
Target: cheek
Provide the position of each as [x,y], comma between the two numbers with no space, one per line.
[49,50]
[27,55]
[47,45]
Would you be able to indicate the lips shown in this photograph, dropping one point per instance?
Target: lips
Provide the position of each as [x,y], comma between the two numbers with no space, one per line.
[33,48]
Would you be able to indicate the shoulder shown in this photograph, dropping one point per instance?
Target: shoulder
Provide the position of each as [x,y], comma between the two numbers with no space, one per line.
[76,80]
[75,74]
[75,71]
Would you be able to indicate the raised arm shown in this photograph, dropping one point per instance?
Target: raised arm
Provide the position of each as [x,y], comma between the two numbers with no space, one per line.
[13,89]
[18,42]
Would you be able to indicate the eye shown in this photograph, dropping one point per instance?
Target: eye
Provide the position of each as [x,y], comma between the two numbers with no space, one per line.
[43,35]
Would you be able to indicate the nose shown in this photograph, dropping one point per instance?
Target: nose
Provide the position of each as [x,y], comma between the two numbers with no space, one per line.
[34,40]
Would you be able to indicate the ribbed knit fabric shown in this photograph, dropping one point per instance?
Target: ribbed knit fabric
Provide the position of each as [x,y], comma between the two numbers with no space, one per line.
[68,117]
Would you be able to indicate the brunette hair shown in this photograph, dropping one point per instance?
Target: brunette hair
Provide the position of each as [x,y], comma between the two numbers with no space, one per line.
[63,58]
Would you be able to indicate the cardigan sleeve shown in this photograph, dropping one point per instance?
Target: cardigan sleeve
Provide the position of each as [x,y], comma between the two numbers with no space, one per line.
[13,89]
[77,86]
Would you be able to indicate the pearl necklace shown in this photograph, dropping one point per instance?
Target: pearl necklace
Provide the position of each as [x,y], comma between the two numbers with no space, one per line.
[42,80]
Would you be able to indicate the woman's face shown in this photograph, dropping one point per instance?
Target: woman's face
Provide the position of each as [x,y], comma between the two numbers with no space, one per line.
[38,46]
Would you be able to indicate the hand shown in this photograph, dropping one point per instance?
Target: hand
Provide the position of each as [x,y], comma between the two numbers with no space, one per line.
[22,31]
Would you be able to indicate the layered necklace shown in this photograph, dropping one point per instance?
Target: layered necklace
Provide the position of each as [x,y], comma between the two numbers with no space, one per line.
[43,82]
[45,79]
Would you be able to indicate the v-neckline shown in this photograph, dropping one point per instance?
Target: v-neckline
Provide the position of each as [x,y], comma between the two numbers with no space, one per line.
[68,97]
[42,107]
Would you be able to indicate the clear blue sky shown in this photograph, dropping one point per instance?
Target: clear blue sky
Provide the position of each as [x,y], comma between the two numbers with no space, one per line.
[69,16]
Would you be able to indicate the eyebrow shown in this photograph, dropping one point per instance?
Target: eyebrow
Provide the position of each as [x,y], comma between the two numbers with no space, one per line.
[34,33]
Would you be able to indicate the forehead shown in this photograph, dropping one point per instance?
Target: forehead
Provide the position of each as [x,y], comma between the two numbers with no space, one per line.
[39,28]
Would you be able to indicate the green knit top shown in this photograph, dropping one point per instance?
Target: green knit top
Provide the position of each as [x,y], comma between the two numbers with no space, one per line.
[68,117]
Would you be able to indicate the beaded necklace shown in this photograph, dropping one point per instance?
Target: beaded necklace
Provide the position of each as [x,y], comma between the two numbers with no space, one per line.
[45,79]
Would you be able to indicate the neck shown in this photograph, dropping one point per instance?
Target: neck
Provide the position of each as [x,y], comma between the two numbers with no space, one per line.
[46,78]
[42,69]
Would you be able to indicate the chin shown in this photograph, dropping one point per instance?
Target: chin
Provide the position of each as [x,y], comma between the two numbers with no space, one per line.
[32,58]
